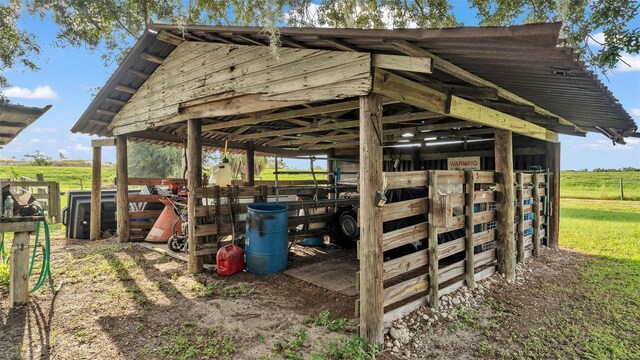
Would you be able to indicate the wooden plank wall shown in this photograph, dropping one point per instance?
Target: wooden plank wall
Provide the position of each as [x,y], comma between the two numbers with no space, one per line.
[226,76]
[467,236]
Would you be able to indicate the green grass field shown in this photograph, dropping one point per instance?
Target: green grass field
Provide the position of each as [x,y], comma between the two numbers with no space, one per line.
[605,323]
[599,185]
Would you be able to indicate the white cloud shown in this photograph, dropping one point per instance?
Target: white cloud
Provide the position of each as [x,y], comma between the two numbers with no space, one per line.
[80,147]
[40,130]
[34,141]
[629,63]
[607,145]
[635,112]
[40,92]
[596,40]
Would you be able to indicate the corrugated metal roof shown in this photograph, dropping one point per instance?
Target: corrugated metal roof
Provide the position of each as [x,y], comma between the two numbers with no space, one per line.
[15,118]
[526,60]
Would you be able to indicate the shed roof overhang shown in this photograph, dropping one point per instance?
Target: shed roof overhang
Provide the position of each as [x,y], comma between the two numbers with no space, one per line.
[15,118]
[517,70]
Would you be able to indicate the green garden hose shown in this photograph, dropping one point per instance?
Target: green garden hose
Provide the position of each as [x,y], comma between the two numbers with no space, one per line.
[45,271]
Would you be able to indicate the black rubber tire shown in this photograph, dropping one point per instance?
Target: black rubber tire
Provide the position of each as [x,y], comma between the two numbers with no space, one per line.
[173,245]
[344,227]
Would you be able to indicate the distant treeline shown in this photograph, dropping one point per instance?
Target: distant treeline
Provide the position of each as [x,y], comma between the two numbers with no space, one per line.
[626,169]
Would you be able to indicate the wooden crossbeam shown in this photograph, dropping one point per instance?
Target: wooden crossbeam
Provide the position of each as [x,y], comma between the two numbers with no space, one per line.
[105,112]
[125,89]
[138,74]
[404,63]
[450,68]
[115,102]
[169,38]
[151,58]
[339,44]
[412,93]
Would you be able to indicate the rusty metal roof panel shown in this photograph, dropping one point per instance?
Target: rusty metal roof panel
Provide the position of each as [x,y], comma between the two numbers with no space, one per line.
[526,60]
[15,118]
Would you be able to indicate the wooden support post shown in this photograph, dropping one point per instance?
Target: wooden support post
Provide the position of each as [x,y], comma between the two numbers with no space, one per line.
[371,271]
[194,180]
[96,182]
[520,218]
[621,190]
[536,215]
[122,191]
[553,162]
[251,163]
[433,240]
[505,251]
[19,269]
[468,242]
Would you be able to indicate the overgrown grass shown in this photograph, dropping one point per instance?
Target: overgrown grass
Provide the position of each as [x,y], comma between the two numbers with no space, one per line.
[599,185]
[189,342]
[324,319]
[4,277]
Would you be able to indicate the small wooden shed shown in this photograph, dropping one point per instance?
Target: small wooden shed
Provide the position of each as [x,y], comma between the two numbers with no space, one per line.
[408,106]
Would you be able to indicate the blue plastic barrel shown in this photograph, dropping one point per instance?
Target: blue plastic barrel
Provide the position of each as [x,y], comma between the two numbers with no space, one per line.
[266,247]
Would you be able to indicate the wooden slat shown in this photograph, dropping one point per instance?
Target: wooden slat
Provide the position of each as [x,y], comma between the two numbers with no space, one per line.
[536,214]
[403,63]
[450,177]
[403,209]
[409,92]
[404,264]
[451,271]
[405,289]
[405,179]
[484,217]
[403,310]
[457,199]
[469,231]
[527,193]
[485,257]
[484,177]
[450,247]
[480,197]
[434,301]
[520,218]
[141,214]
[527,178]
[150,181]
[451,288]
[144,198]
[527,224]
[457,223]
[484,237]
[526,209]
[485,273]
[406,235]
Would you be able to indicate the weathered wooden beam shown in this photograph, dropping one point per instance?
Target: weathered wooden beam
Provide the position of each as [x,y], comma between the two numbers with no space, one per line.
[536,215]
[322,109]
[251,161]
[470,111]
[106,112]
[115,102]
[408,92]
[138,74]
[125,89]
[122,191]
[403,63]
[339,44]
[370,247]
[505,252]
[19,269]
[250,40]
[448,67]
[151,58]
[553,163]
[471,92]
[169,38]
[194,180]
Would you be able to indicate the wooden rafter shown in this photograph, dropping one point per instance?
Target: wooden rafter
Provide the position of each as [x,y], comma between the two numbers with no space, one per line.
[151,58]
[452,69]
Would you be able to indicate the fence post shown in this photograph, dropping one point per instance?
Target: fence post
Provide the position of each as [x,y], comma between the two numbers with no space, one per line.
[536,215]
[468,242]
[621,190]
[433,240]
[520,217]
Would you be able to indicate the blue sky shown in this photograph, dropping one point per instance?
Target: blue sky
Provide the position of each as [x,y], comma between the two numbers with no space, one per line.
[68,74]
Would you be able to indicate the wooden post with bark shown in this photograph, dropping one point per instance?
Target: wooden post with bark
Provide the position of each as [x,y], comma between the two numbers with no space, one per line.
[194,180]
[553,162]
[96,182]
[122,189]
[370,215]
[505,251]
[468,241]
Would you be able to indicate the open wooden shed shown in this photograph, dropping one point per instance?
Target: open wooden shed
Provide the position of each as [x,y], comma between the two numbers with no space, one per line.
[404,106]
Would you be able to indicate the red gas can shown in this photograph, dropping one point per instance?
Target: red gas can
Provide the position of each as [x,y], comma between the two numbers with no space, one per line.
[230,260]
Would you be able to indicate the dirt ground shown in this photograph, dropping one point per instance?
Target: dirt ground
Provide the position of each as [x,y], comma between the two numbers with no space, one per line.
[128,302]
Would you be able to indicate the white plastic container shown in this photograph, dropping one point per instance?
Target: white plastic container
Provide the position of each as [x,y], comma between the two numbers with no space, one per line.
[222,174]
